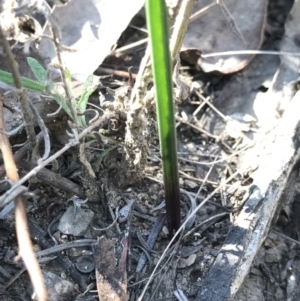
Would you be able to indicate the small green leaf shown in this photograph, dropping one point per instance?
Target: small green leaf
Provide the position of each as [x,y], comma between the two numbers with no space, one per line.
[69,81]
[7,78]
[68,77]
[101,157]
[88,89]
[38,70]
[61,101]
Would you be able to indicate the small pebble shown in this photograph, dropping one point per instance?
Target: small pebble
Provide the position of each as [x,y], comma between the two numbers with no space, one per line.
[76,224]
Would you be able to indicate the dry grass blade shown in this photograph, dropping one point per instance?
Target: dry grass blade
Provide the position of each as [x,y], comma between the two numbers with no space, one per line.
[24,242]
[180,26]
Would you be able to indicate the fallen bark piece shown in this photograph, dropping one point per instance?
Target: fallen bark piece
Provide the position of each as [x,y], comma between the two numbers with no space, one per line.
[110,264]
[278,155]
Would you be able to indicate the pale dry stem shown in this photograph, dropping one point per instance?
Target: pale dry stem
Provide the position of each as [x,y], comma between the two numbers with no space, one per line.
[24,242]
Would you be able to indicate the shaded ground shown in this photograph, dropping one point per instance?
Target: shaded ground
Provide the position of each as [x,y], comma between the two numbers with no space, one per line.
[57,217]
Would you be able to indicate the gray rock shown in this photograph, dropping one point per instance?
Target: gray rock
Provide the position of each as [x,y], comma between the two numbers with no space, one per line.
[75,222]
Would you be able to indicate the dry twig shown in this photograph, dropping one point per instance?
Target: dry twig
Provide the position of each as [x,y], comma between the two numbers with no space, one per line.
[21,92]
[24,242]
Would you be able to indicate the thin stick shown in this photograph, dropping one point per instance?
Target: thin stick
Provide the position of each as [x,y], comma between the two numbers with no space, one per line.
[223,159]
[197,128]
[21,93]
[24,242]
[246,52]
[206,101]
[201,12]
[116,72]
[287,237]
[127,48]
[195,228]
[69,97]
[44,130]
[193,199]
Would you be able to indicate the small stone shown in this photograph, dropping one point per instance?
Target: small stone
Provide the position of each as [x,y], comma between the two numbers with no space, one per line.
[181,263]
[190,184]
[165,230]
[197,84]
[191,147]
[124,212]
[191,259]
[75,223]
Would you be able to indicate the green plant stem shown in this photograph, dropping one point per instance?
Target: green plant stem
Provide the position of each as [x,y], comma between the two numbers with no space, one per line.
[157,21]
